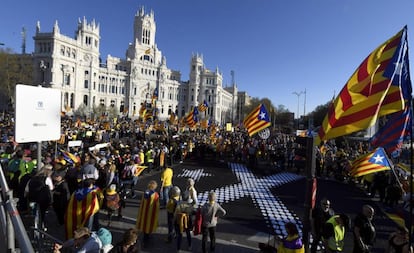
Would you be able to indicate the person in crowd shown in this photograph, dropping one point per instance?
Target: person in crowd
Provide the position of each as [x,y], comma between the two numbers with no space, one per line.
[333,234]
[147,218]
[14,168]
[183,223]
[210,211]
[89,170]
[171,206]
[166,184]
[127,177]
[398,241]
[292,243]
[128,244]
[112,202]
[380,184]
[112,170]
[320,215]
[85,241]
[83,207]
[149,158]
[39,190]
[61,195]
[103,171]
[364,230]
[190,193]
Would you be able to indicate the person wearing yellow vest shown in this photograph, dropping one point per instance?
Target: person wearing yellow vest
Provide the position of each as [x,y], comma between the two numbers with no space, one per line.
[333,234]
[149,158]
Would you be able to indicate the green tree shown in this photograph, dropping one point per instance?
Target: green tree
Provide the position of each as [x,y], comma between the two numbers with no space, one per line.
[14,69]
[319,114]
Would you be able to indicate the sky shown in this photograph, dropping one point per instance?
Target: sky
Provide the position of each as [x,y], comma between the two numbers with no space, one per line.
[278,49]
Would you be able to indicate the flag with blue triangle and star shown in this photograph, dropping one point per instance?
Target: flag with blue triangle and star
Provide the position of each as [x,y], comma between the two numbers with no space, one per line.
[375,161]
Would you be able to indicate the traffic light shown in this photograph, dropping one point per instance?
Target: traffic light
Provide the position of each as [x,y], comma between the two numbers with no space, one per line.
[305,153]
[301,146]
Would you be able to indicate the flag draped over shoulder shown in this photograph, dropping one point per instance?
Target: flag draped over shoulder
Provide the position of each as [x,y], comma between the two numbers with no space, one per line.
[374,90]
[83,203]
[203,107]
[372,162]
[257,120]
[147,218]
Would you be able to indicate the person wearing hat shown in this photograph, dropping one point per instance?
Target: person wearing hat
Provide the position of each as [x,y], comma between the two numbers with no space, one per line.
[112,202]
[333,234]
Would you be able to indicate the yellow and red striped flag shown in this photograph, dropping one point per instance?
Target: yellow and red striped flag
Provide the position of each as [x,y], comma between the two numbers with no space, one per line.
[147,218]
[372,162]
[374,90]
[203,107]
[257,120]
[82,205]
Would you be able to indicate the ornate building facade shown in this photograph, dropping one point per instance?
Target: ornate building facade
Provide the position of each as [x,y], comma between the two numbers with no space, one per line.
[74,66]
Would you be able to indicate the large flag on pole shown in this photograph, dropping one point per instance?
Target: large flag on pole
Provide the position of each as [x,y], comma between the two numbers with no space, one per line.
[374,90]
[257,120]
[192,118]
[203,107]
[372,162]
[391,134]
[395,127]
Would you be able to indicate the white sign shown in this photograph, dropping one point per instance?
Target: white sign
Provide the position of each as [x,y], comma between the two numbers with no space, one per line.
[74,143]
[37,114]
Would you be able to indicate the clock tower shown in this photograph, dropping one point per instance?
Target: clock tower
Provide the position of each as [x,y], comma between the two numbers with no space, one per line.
[144,28]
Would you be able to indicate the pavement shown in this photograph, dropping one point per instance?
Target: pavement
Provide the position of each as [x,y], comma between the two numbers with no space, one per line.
[244,226]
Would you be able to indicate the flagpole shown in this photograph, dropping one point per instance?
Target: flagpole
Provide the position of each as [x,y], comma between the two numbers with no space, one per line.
[410,219]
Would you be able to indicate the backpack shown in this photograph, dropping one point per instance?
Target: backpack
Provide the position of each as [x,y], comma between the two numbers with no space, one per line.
[112,202]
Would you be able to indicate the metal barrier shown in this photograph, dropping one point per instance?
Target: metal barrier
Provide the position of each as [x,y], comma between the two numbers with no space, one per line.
[11,224]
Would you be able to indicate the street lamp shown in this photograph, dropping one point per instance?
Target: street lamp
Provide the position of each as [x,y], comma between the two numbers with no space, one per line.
[298,95]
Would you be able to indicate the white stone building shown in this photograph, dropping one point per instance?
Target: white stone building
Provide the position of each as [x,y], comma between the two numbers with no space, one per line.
[74,66]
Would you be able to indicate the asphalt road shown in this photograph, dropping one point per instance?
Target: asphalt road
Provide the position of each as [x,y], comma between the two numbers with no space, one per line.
[258,202]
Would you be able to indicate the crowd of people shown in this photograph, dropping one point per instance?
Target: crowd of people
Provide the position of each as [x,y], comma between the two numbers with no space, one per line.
[96,164]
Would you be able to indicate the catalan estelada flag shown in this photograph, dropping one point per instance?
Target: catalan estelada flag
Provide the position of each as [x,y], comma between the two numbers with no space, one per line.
[191,119]
[374,90]
[396,128]
[83,203]
[70,157]
[257,120]
[139,170]
[147,219]
[372,162]
[203,107]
